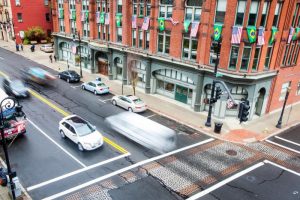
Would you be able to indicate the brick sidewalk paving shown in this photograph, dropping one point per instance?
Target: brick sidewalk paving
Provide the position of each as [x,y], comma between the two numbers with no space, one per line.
[257,129]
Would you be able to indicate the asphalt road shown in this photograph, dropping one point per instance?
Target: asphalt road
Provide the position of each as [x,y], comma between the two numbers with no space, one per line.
[42,155]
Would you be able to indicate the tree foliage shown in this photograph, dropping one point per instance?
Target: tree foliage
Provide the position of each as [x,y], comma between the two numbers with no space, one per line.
[35,34]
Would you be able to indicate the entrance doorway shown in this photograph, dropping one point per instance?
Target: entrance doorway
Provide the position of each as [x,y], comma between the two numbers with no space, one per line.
[260,101]
[181,94]
[103,67]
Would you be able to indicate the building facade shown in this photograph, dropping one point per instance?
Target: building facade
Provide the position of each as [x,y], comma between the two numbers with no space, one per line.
[6,24]
[27,14]
[168,47]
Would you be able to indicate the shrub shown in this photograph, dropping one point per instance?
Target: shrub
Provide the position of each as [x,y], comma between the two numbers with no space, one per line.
[35,33]
[26,41]
[77,58]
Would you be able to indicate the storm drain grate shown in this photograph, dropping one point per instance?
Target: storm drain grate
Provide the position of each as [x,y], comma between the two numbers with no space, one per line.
[231,152]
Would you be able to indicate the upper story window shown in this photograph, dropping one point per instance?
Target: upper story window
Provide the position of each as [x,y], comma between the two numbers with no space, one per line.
[193,10]
[296,13]
[46,2]
[141,7]
[165,8]
[18,2]
[85,5]
[277,14]
[256,58]
[72,4]
[47,17]
[240,12]
[264,13]
[19,16]
[233,57]
[220,11]
[164,39]
[268,58]
[102,6]
[245,58]
[253,13]
[60,4]
[119,6]
[189,47]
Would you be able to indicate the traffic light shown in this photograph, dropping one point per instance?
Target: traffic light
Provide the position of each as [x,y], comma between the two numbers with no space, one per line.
[218,93]
[244,111]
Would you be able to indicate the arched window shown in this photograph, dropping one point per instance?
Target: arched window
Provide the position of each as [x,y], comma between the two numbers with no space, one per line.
[165,8]
[193,10]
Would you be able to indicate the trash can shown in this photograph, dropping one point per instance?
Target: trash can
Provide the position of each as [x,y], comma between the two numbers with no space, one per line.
[218,127]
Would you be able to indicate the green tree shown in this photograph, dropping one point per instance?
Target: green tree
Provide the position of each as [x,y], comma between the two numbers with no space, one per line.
[35,34]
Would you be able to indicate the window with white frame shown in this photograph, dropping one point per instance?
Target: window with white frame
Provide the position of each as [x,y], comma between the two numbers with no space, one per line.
[240,12]
[164,42]
[103,30]
[245,58]
[220,11]
[135,7]
[268,58]
[297,52]
[99,32]
[85,5]
[86,29]
[193,10]
[189,47]
[147,40]
[20,17]
[46,2]
[18,3]
[253,13]
[72,4]
[98,6]
[285,87]
[256,58]
[296,12]
[264,13]
[212,54]
[119,6]
[61,22]
[119,34]
[165,8]
[277,14]
[141,7]
[298,88]
[85,24]
[133,37]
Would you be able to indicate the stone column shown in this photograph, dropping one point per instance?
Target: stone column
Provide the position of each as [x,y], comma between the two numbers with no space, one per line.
[56,47]
[124,71]
[199,86]
[148,76]
[110,65]
[92,60]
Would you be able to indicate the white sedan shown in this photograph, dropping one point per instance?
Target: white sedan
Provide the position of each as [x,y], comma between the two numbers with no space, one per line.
[129,102]
[80,132]
[97,87]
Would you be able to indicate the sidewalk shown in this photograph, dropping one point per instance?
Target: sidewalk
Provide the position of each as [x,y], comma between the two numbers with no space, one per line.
[257,129]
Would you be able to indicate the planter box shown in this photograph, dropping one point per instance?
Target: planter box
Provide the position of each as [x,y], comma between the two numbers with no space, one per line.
[33,42]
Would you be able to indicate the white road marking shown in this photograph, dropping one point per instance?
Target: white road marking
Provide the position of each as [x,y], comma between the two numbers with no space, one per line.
[1,58]
[151,116]
[74,87]
[69,154]
[101,100]
[125,169]
[289,141]
[107,100]
[224,182]
[282,167]
[293,150]
[76,172]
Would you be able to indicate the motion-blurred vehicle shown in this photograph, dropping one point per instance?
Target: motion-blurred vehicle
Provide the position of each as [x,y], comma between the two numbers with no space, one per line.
[80,132]
[15,88]
[38,75]
[143,131]
[97,87]
[69,76]
[47,48]
[14,127]
[129,102]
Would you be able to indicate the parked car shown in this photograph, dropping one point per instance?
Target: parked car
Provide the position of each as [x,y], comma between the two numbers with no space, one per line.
[15,88]
[80,132]
[97,87]
[38,75]
[48,48]
[130,103]
[69,76]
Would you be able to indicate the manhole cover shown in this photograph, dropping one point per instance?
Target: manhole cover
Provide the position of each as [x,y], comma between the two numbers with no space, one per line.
[231,152]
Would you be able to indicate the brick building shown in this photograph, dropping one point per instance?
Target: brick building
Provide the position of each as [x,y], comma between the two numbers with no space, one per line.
[174,56]
[6,25]
[27,14]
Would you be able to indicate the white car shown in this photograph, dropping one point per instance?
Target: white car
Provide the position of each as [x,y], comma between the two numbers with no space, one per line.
[80,132]
[130,103]
[48,48]
[97,87]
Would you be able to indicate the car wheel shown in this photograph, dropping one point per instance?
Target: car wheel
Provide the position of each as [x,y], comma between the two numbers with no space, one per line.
[83,87]
[59,76]
[80,147]
[68,80]
[62,134]
[130,109]
[95,92]
[114,102]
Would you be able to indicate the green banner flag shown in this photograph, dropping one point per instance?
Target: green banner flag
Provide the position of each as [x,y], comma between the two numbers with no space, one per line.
[251,31]
[73,14]
[217,31]
[186,25]
[296,34]
[102,17]
[161,24]
[61,13]
[273,35]
[119,19]
[87,15]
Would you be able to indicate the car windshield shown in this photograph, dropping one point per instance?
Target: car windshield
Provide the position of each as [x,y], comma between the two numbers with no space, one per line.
[138,101]
[85,129]
[100,84]
[17,84]
[72,72]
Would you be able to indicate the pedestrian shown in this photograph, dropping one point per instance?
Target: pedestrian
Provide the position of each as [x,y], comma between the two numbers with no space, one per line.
[50,58]
[17,47]
[21,45]
[54,58]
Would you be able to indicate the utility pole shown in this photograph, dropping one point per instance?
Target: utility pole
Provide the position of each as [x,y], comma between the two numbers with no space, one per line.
[279,123]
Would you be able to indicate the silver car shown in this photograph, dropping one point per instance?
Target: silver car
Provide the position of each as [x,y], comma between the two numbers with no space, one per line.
[130,103]
[97,87]
[48,48]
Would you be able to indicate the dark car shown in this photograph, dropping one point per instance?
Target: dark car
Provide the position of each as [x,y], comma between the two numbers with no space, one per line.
[69,76]
[15,88]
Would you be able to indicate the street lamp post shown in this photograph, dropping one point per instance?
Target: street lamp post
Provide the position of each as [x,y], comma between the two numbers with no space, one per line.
[79,45]
[279,123]
[9,104]
[217,48]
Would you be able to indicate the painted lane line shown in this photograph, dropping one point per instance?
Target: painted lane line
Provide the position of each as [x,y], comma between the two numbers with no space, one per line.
[74,87]
[282,146]
[59,146]
[101,100]
[289,141]
[125,169]
[1,58]
[151,116]
[76,172]
[4,75]
[282,167]
[224,182]
[107,100]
